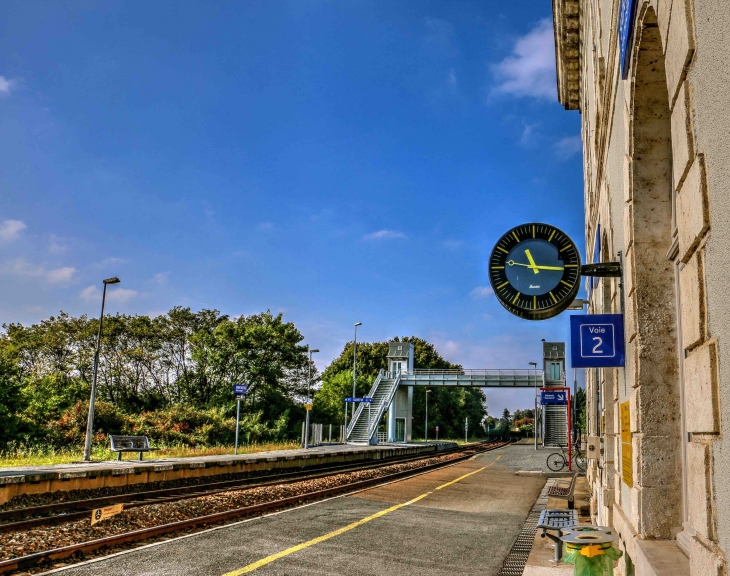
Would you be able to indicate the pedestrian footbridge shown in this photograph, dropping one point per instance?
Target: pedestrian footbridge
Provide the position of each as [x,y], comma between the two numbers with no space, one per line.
[392,392]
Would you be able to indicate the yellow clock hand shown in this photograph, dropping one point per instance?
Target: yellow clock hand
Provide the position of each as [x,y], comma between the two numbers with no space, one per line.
[531,267]
[532,262]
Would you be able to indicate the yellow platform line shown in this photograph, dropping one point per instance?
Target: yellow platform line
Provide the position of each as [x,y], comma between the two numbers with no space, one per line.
[274,557]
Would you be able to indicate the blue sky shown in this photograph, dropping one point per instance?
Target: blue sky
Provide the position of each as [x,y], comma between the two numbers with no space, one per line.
[338,161]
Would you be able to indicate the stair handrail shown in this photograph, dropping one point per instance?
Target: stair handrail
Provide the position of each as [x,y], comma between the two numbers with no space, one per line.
[384,403]
[358,411]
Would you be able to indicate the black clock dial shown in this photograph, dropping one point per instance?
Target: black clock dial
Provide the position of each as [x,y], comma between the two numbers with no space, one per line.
[535,271]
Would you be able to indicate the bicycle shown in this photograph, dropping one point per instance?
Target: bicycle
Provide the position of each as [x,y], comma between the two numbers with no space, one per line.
[559,460]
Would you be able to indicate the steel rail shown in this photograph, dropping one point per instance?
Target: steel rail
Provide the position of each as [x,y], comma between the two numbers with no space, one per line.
[38,515]
[37,558]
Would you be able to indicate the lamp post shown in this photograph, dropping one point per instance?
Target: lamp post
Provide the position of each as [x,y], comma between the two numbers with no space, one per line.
[534,416]
[354,370]
[309,396]
[90,420]
[427,393]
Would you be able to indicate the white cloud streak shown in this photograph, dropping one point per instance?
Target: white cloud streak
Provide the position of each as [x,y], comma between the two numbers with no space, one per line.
[119,295]
[530,69]
[7,85]
[481,292]
[21,268]
[10,229]
[568,147]
[60,275]
[384,235]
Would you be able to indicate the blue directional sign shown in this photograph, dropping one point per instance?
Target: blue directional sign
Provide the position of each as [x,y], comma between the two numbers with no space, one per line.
[358,400]
[240,389]
[597,340]
[348,399]
[627,10]
[553,397]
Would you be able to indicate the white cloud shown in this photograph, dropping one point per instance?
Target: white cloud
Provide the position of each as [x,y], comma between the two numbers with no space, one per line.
[60,275]
[10,229]
[7,85]
[161,277]
[56,245]
[120,295]
[530,69]
[481,292]
[23,268]
[112,261]
[90,294]
[384,235]
[568,146]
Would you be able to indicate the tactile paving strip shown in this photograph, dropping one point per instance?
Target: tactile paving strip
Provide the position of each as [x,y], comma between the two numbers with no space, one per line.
[514,564]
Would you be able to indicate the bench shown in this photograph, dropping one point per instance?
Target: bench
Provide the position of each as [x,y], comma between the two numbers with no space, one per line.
[561,490]
[557,520]
[121,444]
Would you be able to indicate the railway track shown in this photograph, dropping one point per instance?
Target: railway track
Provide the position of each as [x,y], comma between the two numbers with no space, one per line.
[76,511]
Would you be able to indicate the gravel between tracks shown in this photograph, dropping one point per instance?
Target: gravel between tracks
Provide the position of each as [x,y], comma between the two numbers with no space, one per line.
[15,544]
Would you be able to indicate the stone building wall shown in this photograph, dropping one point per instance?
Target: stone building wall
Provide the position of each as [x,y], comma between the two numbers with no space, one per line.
[656,149]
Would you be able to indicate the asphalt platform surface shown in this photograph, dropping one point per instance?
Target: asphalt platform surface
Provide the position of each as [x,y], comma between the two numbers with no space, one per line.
[457,520]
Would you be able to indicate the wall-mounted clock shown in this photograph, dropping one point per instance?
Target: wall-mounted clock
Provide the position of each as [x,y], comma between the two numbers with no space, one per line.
[535,271]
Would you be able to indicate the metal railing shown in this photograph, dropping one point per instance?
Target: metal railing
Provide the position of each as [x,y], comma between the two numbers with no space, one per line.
[478,372]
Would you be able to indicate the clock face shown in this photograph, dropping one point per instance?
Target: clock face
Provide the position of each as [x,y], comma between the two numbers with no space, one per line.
[535,271]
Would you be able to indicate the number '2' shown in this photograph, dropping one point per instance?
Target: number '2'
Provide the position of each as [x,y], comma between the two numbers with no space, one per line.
[597,346]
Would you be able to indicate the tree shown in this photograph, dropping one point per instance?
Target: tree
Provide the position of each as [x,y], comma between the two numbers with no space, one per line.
[447,407]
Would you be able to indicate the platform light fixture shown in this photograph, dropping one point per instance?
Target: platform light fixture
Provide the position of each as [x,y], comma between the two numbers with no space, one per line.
[90,420]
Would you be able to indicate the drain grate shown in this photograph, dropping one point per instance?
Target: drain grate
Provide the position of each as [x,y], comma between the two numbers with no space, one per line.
[514,564]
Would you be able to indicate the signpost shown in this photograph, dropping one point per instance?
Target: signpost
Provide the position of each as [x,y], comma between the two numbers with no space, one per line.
[466,429]
[554,393]
[240,391]
[549,397]
[597,340]
[437,433]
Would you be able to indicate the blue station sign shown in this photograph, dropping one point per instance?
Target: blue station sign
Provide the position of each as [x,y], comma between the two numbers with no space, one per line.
[240,389]
[553,397]
[597,340]
[365,399]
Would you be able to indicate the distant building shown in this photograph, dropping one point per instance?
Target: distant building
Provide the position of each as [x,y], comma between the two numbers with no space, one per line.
[651,81]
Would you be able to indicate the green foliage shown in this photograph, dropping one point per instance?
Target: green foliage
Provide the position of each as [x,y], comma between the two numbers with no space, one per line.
[171,376]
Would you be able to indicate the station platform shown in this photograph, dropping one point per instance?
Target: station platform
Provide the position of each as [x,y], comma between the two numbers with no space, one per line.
[17,481]
[459,519]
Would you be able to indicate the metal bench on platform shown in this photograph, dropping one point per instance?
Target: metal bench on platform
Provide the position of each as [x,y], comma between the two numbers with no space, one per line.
[130,444]
[557,520]
[561,490]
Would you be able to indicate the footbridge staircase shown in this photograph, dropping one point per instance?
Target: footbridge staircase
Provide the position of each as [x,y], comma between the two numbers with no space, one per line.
[364,425]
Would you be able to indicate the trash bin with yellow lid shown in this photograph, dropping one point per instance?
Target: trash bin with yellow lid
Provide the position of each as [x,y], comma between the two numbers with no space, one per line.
[590,550]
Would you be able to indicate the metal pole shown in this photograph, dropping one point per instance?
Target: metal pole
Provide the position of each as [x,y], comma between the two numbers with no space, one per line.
[570,437]
[90,420]
[534,420]
[354,370]
[238,420]
[309,385]
[369,422]
[426,416]
[345,439]
[466,430]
